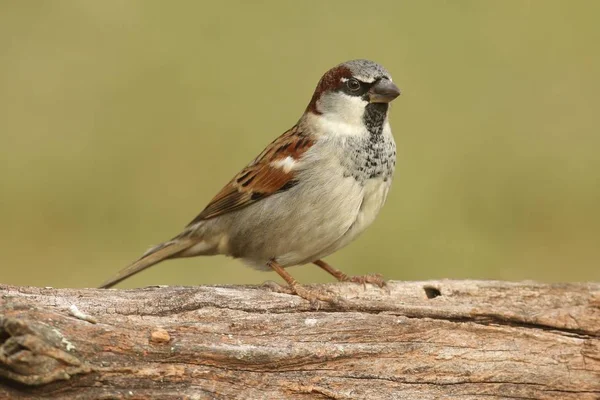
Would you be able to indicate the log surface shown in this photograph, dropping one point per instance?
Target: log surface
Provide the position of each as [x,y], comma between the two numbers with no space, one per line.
[418,340]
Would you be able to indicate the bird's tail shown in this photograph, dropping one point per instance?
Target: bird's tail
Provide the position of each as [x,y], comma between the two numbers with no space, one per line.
[153,256]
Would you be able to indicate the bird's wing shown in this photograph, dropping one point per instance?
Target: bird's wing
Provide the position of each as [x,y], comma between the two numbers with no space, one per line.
[271,172]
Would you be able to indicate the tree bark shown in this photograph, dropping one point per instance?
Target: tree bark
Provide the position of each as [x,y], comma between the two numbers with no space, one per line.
[415,340]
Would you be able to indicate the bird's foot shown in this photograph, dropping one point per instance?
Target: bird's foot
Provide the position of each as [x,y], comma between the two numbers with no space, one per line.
[312,295]
[277,288]
[374,279]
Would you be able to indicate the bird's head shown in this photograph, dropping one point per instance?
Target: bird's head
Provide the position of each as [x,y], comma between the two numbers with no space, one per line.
[353,92]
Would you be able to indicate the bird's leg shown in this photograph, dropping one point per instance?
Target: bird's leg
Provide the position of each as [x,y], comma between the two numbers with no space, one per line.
[311,295]
[375,279]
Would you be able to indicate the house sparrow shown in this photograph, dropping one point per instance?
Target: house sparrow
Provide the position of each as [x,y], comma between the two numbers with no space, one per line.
[312,191]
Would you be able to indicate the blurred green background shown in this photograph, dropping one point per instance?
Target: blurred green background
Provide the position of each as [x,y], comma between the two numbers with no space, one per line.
[119,120]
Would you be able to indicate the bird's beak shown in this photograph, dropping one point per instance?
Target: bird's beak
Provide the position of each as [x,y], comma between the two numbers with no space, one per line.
[383,91]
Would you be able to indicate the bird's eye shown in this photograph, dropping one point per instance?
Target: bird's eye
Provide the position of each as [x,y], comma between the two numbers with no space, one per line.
[353,84]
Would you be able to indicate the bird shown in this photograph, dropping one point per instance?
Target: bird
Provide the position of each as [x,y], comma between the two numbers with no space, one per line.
[309,193]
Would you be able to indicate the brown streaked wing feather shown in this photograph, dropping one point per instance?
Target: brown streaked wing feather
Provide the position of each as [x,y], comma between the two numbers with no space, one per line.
[259,179]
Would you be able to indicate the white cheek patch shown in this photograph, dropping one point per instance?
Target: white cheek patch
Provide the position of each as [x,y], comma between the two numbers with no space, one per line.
[351,109]
[286,164]
[341,114]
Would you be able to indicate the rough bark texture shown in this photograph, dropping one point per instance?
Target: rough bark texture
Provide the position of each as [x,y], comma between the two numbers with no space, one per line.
[419,340]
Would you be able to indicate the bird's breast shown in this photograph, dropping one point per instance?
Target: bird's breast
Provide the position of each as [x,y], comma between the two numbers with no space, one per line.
[370,157]
[375,192]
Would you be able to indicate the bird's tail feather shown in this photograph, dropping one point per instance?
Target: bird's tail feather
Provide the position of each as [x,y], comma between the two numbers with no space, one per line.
[153,256]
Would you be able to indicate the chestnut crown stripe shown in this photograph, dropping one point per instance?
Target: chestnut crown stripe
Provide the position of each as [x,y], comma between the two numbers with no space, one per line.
[329,82]
[260,178]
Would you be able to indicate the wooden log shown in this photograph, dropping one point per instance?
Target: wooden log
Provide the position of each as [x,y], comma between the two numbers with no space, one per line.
[417,340]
